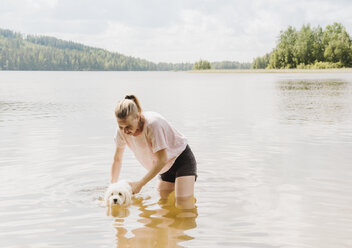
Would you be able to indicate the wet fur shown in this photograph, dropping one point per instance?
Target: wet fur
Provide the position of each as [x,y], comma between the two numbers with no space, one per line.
[118,194]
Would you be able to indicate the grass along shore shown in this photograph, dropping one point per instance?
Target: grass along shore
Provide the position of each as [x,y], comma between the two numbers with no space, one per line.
[336,70]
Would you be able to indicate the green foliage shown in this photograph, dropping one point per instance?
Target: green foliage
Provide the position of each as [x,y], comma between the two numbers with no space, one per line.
[337,44]
[261,62]
[310,48]
[283,55]
[230,65]
[303,47]
[202,65]
[9,34]
[48,53]
[320,65]
[175,67]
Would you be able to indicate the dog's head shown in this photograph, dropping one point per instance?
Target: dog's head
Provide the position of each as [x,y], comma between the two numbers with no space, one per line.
[118,194]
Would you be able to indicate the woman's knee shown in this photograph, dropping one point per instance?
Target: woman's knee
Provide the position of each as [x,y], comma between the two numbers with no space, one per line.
[184,192]
[185,202]
[165,188]
[164,185]
[184,186]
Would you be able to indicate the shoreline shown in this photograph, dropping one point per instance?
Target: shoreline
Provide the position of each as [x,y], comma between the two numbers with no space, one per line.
[342,70]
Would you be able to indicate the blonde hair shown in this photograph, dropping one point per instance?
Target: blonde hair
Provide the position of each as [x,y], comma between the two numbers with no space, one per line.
[127,106]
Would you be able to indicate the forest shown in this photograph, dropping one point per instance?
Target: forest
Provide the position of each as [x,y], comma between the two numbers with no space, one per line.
[309,48]
[33,52]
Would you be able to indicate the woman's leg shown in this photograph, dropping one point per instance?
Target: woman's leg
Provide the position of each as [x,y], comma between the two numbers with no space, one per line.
[165,188]
[184,192]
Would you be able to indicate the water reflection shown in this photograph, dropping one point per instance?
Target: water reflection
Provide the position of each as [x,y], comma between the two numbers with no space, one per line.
[313,100]
[273,153]
[163,225]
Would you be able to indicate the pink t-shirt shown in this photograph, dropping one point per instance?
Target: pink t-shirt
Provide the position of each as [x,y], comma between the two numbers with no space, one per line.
[157,134]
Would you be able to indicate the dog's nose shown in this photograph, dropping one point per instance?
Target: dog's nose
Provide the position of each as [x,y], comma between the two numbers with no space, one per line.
[115,200]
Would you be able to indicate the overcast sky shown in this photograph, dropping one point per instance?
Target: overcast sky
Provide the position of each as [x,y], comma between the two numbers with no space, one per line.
[173,30]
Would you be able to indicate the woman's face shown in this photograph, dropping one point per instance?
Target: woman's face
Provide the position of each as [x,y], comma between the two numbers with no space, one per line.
[129,125]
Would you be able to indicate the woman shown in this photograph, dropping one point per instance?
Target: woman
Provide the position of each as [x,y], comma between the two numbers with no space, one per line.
[159,147]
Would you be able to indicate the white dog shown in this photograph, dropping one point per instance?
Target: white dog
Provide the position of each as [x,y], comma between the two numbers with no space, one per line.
[119,194]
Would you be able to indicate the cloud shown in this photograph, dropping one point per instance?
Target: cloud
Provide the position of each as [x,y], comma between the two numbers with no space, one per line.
[173,31]
[150,13]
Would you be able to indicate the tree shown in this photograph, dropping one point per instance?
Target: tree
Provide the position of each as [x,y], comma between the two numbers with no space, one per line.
[202,65]
[310,48]
[303,47]
[318,46]
[283,55]
[261,62]
[337,44]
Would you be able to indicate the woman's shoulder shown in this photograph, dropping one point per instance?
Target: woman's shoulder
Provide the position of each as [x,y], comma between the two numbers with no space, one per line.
[154,119]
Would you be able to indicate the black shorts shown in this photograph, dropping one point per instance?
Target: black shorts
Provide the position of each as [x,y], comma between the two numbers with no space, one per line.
[184,165]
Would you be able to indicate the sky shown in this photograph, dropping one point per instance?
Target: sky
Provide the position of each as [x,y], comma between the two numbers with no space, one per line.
[173,31]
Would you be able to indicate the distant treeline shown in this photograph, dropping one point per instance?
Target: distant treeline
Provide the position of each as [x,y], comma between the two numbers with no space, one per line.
[202,65]
[230,65]
[311,48]
[19,52]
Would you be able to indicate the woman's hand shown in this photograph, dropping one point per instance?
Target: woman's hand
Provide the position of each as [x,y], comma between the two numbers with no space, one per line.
[160,163]
[136,187]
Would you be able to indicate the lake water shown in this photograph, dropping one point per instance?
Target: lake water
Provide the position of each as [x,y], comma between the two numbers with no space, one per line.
[274,155]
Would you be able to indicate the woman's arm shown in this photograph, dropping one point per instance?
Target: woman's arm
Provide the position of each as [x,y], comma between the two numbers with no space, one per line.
[116,165]
[160,163]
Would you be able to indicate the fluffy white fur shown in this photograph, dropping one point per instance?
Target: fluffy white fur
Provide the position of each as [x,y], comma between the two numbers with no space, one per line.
[118,194]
